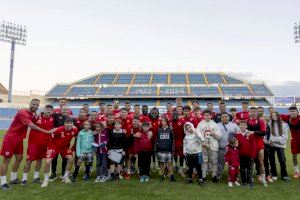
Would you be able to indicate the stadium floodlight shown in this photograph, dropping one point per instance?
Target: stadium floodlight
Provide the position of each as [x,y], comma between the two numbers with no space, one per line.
[297,32]
[14,34]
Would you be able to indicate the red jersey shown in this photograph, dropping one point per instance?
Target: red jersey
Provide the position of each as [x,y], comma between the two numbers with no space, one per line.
[197,120]
[294,124]
[232,156]
[79,122]
[61,138]
[247,145]
[40,138]
[155,124]
[101,117]
[169,116]
[116,112]
[244,115]
[19,126]
[260,129]
[126,125]
[58,110]
[144,118]
[178,131]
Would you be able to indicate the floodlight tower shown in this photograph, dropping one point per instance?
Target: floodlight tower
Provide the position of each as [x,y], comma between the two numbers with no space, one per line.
[297,32]
[14,34]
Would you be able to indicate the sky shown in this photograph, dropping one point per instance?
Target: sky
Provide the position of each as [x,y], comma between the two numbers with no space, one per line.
[69,40]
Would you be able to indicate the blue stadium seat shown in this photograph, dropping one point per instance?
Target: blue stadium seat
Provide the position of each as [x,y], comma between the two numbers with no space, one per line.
[214,78]
[160,79]
[236,91]
[106,79]
[261,90]
[82,91]
[204,91]
[142,91]
[112,91]
[178,78]
[231,80]
[124,79]
[58,90]
[173,91]
[197,79]
[142,79]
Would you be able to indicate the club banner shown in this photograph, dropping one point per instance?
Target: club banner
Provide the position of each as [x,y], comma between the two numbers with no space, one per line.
[284,100]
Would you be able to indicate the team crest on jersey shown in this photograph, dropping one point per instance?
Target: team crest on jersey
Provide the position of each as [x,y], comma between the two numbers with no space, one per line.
[62,134]
[179,123]
[7,153]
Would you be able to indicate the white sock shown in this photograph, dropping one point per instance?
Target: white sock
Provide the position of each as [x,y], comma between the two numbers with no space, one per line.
[24,176]
[296,168]
[46,176]
[36,175]
[263,177]
[13,176]
[66,174]
[3,180]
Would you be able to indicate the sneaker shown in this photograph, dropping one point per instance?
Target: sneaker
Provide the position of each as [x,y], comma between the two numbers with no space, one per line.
[269,179]
[274,178]
[14,182]
[37,180]
[244,185]
[86,178]
[181,172]
[142,179]
[215,179]
[98,179]
[45,184]
[230,184]
[147,178]
[296,175]
[286,179]
[120,177]
[162,178]
[127,176]
[53,177]
[66,179]
[24,183]
[103,179]
[201,182]
[237,183]
[172,178]
[5,187]
[265,184]
[190,181]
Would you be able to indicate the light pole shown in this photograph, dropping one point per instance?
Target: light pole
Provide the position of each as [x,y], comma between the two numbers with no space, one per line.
[14,34]
[297,32]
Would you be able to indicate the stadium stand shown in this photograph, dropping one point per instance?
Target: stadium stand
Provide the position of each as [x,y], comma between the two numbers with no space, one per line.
[3,90]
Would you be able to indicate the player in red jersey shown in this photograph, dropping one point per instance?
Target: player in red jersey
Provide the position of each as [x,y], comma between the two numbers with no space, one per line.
[179,110]
[243,115]
[60,144]
[116,111]
[136,111]
[187,115]
[62,102]
[109,109]
[195,104]
[259,129]
[293,120]
[37,144]
[144,117]
[210,107]
[127,105]
[197,116]
[81,118]
[154,124]
[178,102]
[233,113]
[177,126]
[169,113]
[13,141]
[93,119]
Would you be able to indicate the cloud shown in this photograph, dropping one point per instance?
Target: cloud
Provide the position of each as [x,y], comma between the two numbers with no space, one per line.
[288,88]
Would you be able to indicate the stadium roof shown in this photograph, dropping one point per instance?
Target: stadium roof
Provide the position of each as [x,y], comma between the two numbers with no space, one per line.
[160,85]
[3,90]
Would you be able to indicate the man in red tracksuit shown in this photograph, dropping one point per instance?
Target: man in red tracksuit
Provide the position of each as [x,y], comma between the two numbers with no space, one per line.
[233,161]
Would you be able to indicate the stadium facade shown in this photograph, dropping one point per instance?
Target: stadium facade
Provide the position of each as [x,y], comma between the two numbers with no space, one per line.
[155,89]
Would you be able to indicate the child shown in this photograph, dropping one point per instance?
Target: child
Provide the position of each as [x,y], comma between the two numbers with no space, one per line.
[145,150]
[116,146]
[165,148]
[247,153]
[232,161]
[101,140]
[211,132]
[192,149]
[84,150]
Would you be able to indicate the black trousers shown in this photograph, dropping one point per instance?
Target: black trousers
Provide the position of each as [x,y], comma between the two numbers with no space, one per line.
[54,165]
[281,159]
[193,162]
[246,165]
[267,160]
[144,158]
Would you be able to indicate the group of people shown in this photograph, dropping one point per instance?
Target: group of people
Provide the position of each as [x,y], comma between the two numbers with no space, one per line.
[121,139]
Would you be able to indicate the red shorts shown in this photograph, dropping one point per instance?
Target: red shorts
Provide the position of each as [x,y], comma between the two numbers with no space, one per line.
[11,147]
[259,143]
[131,149]
[52,153]
[295,146]
[179,149]
[36,152]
